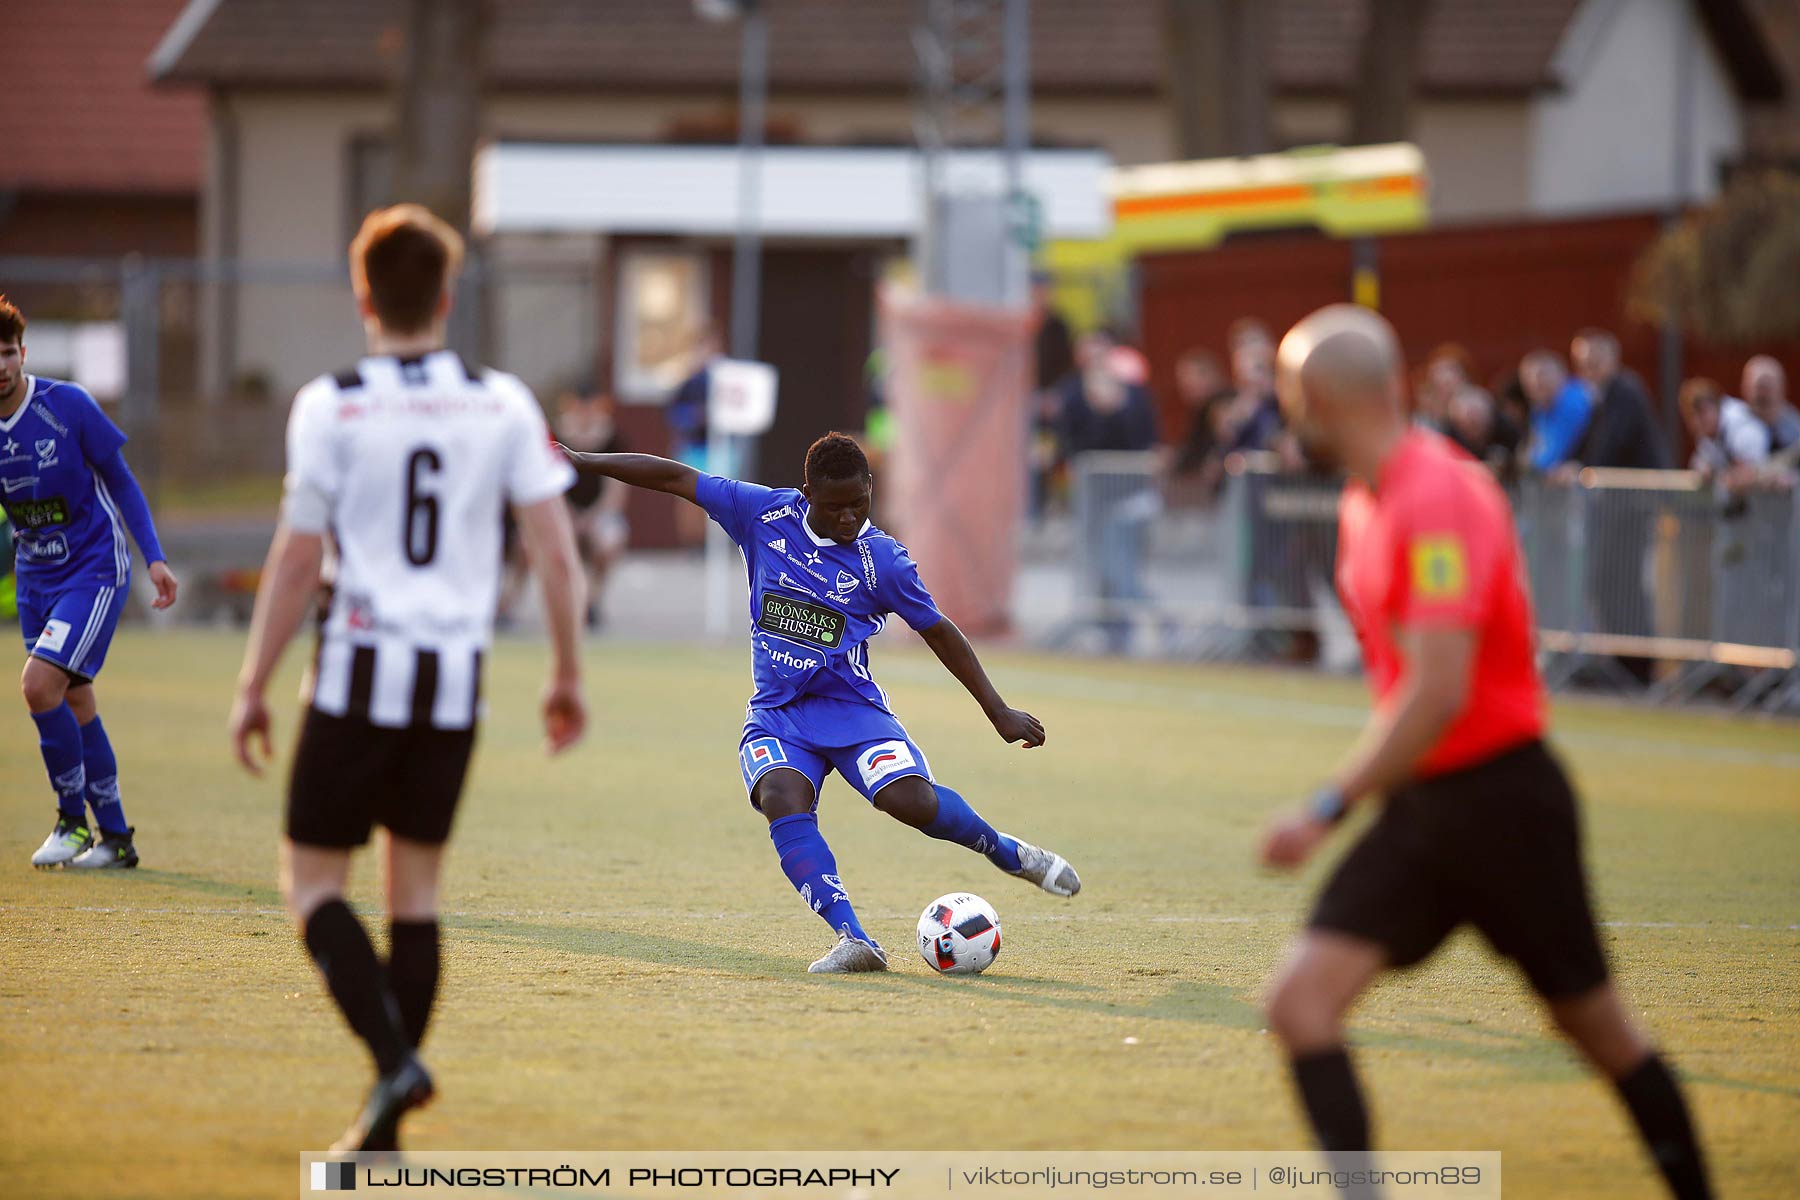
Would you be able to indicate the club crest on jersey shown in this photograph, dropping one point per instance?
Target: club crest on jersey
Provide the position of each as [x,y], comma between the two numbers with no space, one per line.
[846,583]
[46,448]
[884,759]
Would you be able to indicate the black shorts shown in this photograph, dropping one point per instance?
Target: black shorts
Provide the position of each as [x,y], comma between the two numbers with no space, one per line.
[1497,845]
[350,775]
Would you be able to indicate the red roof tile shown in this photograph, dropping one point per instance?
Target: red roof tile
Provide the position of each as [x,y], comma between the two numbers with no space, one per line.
[81,115]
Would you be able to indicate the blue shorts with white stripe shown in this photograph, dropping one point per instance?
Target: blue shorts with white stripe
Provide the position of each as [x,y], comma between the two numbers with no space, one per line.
[71,627]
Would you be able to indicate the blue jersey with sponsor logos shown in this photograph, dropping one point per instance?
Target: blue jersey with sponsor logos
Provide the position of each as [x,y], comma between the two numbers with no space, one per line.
[814,603]
[67,528]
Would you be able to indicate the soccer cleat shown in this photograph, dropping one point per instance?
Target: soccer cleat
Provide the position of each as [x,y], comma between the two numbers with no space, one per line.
[1049,871]
[850,955]
[377,1128]
[113,851]
[70,837]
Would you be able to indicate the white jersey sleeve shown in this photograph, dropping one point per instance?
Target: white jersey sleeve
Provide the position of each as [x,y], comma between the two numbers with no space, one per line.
[313,469]
[535,470]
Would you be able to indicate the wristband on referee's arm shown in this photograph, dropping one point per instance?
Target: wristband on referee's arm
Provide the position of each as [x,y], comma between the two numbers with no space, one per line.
[1328,805]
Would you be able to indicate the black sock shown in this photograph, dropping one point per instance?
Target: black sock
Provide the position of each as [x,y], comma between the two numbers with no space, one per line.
[1328,1089]
[413,973]
[1654,1098]
[341,947]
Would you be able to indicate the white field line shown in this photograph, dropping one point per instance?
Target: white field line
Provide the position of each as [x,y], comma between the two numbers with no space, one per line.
[1334,716]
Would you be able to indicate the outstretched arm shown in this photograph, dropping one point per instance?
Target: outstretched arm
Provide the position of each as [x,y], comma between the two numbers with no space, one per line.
[290,584]
[1431,697]
[953,650]
[122,485]
[639,470]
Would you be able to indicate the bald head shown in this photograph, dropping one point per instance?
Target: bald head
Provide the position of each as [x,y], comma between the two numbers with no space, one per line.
[1340,364]
[1765,386]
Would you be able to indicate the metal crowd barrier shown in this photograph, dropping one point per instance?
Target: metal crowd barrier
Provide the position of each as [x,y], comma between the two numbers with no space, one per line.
[1644,578]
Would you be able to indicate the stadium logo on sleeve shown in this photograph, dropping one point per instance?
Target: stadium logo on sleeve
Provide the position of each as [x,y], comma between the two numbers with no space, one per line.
[884,759]
[1439,569]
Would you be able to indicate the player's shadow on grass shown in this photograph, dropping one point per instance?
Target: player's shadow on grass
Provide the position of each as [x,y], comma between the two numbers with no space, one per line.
[262,897]
[657,949]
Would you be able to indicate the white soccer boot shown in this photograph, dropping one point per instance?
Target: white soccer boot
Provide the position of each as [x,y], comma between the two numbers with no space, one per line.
[70,837]
[850,955]
[1049,871]
[113,852]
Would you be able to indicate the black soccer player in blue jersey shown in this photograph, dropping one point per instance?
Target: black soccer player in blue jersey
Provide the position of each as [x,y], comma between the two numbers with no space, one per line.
[822,582]
[71,501]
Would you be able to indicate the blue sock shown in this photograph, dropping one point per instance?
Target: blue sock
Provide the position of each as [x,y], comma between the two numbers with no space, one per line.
[102,778]
[957,822]
[813,871]
[59,738]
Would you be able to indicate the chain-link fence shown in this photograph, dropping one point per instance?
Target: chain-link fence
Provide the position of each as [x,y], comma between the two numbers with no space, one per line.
[197,361]
[1647,579]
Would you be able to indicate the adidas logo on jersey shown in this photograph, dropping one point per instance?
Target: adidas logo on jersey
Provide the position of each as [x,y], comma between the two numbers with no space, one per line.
[779,545]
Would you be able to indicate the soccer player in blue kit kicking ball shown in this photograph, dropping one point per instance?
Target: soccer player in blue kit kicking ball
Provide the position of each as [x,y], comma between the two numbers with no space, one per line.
[71,501]
[822,582]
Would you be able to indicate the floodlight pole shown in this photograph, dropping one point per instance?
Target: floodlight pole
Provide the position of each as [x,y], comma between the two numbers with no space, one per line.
[746,288]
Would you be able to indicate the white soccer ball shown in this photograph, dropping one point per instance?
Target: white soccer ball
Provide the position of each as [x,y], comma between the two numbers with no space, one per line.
[959,934]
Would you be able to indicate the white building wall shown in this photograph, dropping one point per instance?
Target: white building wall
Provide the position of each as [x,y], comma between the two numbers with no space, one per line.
[1606,140]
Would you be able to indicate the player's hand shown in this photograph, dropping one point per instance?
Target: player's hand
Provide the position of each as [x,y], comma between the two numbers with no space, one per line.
[166,585]
[565,716]
[1292,840]
[574,456]
[250,731]
[1015,726]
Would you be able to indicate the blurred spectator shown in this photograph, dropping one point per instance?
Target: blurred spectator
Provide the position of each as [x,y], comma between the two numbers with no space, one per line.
[1251,419]
[1055,359]
[1107,407]
[1765,391]
[1474,424]
[1622,431]
[586,421]
[1055,342]
[686,416]
[1201,387]
[1728,439]
[1560,408]
[686,412]
[1448,370]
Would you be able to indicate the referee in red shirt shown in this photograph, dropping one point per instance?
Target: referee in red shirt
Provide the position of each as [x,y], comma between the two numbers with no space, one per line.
[1479,824]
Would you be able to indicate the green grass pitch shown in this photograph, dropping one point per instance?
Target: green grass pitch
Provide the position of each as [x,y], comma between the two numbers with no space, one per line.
[626,966]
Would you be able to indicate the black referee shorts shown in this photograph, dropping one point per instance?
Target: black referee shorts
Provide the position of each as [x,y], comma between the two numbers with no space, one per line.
[350,775]
[1497,845]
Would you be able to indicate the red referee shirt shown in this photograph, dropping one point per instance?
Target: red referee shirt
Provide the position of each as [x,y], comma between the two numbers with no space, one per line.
[1433,544]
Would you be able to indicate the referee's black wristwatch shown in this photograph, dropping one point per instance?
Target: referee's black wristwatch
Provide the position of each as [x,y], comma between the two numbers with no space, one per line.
[1328,805]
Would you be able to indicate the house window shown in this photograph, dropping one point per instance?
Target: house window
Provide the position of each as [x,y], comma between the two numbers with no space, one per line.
[661,316]
[370,179]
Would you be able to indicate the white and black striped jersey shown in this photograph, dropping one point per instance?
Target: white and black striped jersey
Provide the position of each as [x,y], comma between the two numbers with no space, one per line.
[408,464]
